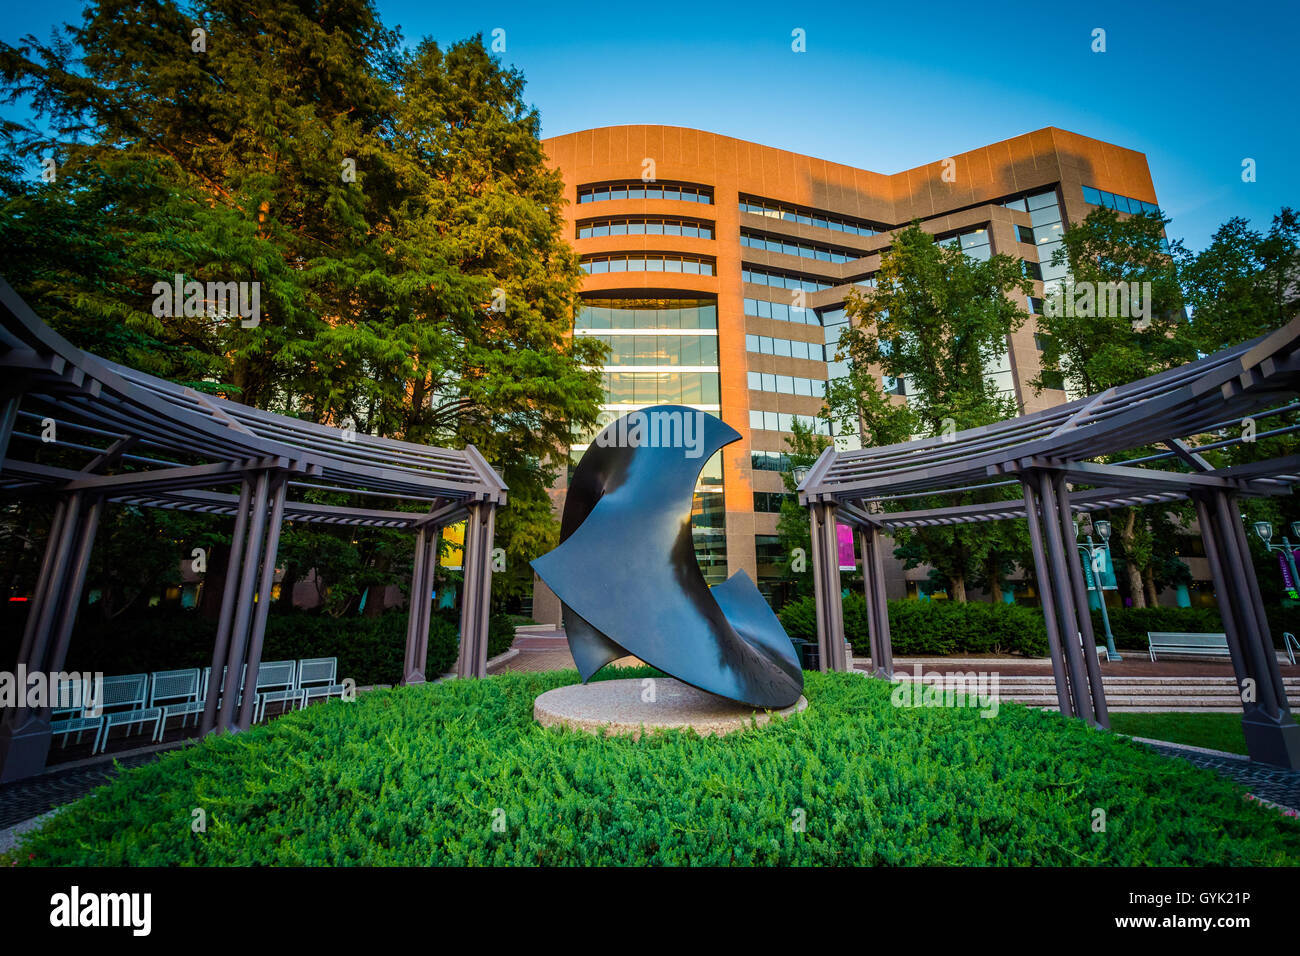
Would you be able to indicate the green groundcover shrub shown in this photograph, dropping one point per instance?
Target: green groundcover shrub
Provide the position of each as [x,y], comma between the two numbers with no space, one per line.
[932,627]
[370,650]
[419,776]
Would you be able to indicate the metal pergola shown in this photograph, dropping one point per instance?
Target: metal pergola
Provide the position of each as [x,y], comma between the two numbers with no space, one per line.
[1046,456]
[140,440]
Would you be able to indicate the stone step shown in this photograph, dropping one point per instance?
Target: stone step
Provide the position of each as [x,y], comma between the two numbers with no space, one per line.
[1225,703]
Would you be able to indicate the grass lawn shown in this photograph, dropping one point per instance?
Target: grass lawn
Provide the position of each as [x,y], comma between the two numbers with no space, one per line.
[1215,731]
[458,773]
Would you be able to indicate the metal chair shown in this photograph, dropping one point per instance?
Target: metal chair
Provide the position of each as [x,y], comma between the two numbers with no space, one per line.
[128,694]
[317,678]
[276,681]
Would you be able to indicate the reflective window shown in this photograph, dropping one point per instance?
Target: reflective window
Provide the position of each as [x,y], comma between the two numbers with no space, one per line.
[648,262]
[775,210]
[1099,197]
[636,189]
[784,280]
[758,240]
[645,226]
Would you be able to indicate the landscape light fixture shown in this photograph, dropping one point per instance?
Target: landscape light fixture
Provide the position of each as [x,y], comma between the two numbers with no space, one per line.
[1103,529]
[1265,531]
[1295,530]
[800,472]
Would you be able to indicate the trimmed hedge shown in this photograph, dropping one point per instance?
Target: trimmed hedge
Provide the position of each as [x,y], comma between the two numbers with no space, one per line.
[370,650]
[977,627]
[419,776]
[1130,624]
[932,627]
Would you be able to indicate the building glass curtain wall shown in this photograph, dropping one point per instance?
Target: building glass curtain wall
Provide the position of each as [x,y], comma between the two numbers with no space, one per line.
[663,351]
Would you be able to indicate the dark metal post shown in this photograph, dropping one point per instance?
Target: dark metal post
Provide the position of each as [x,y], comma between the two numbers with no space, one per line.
[75,586]
[1080,594]
[421,661]
[886,668]
[826,584]
[476,601]
[264,588]
[1044,576]
[413,608]
[226,619]
[25,732]
[1065,609]
[865,537]
[244,605]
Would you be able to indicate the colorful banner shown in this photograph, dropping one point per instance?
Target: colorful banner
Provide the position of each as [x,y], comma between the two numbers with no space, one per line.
[1099,568]
[844,537]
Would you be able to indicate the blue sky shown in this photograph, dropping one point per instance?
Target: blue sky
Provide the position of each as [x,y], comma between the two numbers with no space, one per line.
[1198,86]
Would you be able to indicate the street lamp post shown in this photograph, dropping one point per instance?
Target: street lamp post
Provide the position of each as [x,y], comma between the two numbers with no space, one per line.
[1089,553]
[1264,529]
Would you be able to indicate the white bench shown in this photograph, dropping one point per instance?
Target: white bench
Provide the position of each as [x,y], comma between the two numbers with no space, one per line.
[276,681]
[1191,645]
[317,676]
[127,692]
[75,710]
[179,693]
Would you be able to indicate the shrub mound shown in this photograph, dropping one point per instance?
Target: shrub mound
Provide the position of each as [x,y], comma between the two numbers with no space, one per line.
[420,776]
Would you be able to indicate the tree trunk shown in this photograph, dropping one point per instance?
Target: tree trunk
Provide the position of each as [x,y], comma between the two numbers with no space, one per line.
[1152,592]
[995,586]
[959,589]
[1136,592]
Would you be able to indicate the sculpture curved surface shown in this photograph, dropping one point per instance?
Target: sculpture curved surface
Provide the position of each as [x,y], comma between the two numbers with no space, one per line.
[626,572]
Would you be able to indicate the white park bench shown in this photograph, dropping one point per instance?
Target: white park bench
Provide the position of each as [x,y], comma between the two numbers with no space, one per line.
[1191,645]
[276,681]
[318,677]
[70,713]
[124,704]
[179,693]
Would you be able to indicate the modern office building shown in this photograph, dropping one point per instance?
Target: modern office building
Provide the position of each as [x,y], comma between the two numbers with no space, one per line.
[717,271]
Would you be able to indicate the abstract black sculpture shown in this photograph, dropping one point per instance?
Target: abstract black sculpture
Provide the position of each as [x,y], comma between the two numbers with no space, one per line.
[626,572]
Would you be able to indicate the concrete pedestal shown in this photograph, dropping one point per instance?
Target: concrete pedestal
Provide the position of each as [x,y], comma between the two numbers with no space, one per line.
[630,707]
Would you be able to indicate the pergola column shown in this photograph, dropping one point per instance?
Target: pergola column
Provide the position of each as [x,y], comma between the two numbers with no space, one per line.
[1272,737]
[420,606]
[826,587]
[1043,575]
[1066,611]
[865,536]
[25,732]
[873,574]
[263,602]
[243,605]
[226,618]
[1079,592]
[886,667]
[476,601]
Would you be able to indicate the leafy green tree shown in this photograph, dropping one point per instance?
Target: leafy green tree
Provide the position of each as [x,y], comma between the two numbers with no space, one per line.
[1094,346]
[941,319]
[1245,283]
[393,203]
